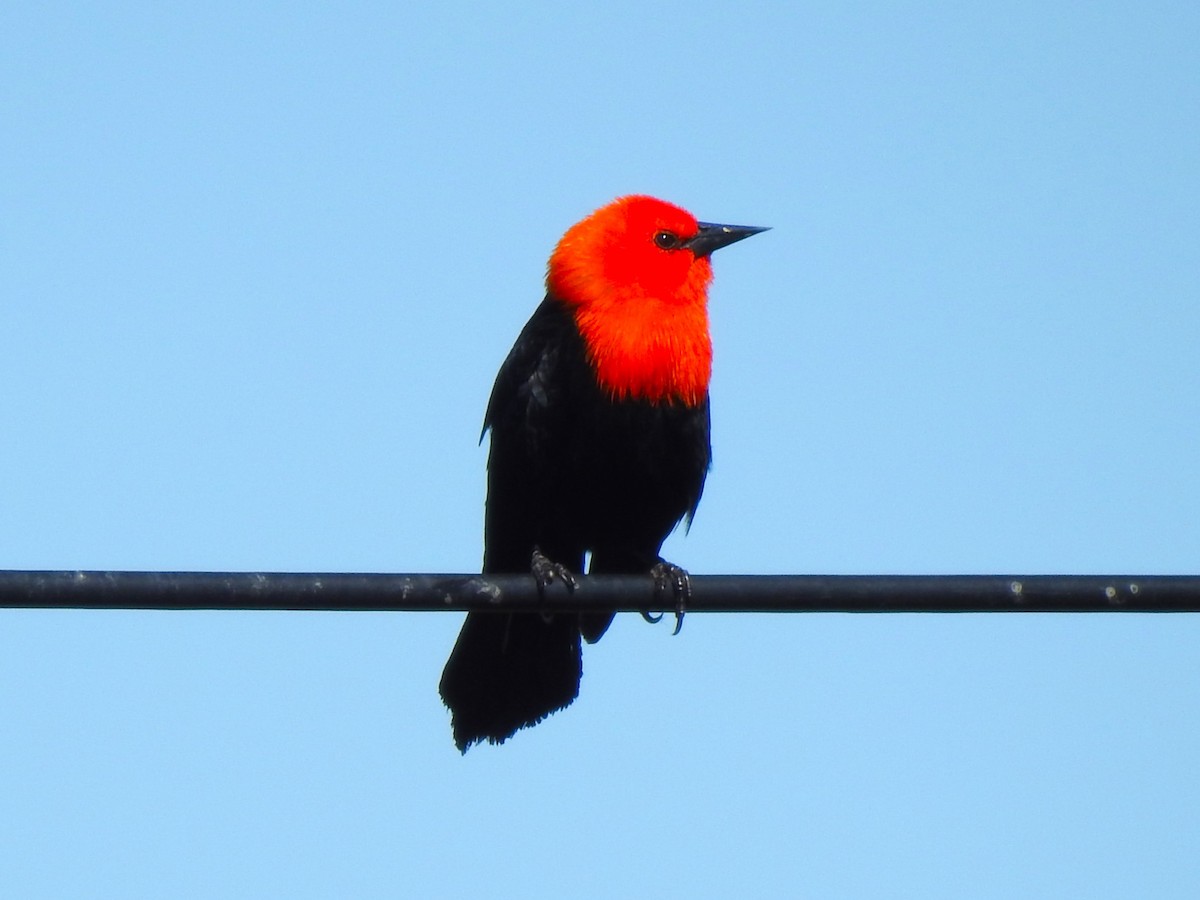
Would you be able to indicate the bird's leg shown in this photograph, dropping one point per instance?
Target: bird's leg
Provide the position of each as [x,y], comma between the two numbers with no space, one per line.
[668,576]
[545,571]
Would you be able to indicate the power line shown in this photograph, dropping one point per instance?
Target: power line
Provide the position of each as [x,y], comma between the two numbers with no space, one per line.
[623,593]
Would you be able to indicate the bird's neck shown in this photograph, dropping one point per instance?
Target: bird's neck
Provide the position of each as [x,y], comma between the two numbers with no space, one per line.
[643,348]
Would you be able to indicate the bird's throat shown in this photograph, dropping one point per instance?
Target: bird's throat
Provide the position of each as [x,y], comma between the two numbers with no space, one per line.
[648,350]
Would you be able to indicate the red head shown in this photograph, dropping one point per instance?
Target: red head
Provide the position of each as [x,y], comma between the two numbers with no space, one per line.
[636,273]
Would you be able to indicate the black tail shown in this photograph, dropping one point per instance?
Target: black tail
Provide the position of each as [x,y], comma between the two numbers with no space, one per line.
[508,671]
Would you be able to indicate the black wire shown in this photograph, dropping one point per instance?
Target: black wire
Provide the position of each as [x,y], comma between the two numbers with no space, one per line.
[623,593]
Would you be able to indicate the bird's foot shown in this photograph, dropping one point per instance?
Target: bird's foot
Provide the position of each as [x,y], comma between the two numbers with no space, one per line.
[545,572]
[672,578]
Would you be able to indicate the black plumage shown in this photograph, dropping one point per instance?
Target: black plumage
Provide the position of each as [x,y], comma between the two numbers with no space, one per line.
[571,471]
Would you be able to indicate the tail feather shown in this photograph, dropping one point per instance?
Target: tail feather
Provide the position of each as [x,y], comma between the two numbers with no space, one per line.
[508,671]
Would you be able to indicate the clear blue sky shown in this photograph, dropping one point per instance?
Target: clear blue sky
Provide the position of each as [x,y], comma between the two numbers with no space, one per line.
[258,268]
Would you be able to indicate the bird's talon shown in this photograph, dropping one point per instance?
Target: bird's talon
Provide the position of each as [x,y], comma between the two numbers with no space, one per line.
[652,619]
[683,593]
[545,572]
[671,577]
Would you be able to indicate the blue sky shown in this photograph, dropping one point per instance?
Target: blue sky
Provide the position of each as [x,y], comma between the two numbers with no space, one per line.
[258,268]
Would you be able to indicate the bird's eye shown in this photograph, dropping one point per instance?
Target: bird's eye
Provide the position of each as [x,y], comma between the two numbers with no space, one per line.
[666,240]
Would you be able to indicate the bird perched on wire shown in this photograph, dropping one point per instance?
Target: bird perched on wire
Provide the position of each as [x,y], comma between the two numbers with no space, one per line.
[599,423]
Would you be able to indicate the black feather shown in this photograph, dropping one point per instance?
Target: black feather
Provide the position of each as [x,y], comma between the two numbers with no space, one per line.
[570,471]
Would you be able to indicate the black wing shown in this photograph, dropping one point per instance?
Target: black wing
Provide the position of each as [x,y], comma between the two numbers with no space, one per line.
[509,671]
[531,415]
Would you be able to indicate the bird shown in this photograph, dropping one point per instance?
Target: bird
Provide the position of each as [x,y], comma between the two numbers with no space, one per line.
[599,444]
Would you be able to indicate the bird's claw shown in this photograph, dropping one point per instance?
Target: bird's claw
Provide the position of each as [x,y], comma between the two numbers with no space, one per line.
[669,577]
[545,572]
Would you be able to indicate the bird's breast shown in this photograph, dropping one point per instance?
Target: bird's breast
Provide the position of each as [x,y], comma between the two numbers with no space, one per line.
[647,350]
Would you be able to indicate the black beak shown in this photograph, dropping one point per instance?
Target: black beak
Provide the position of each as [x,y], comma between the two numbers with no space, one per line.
[712,237]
